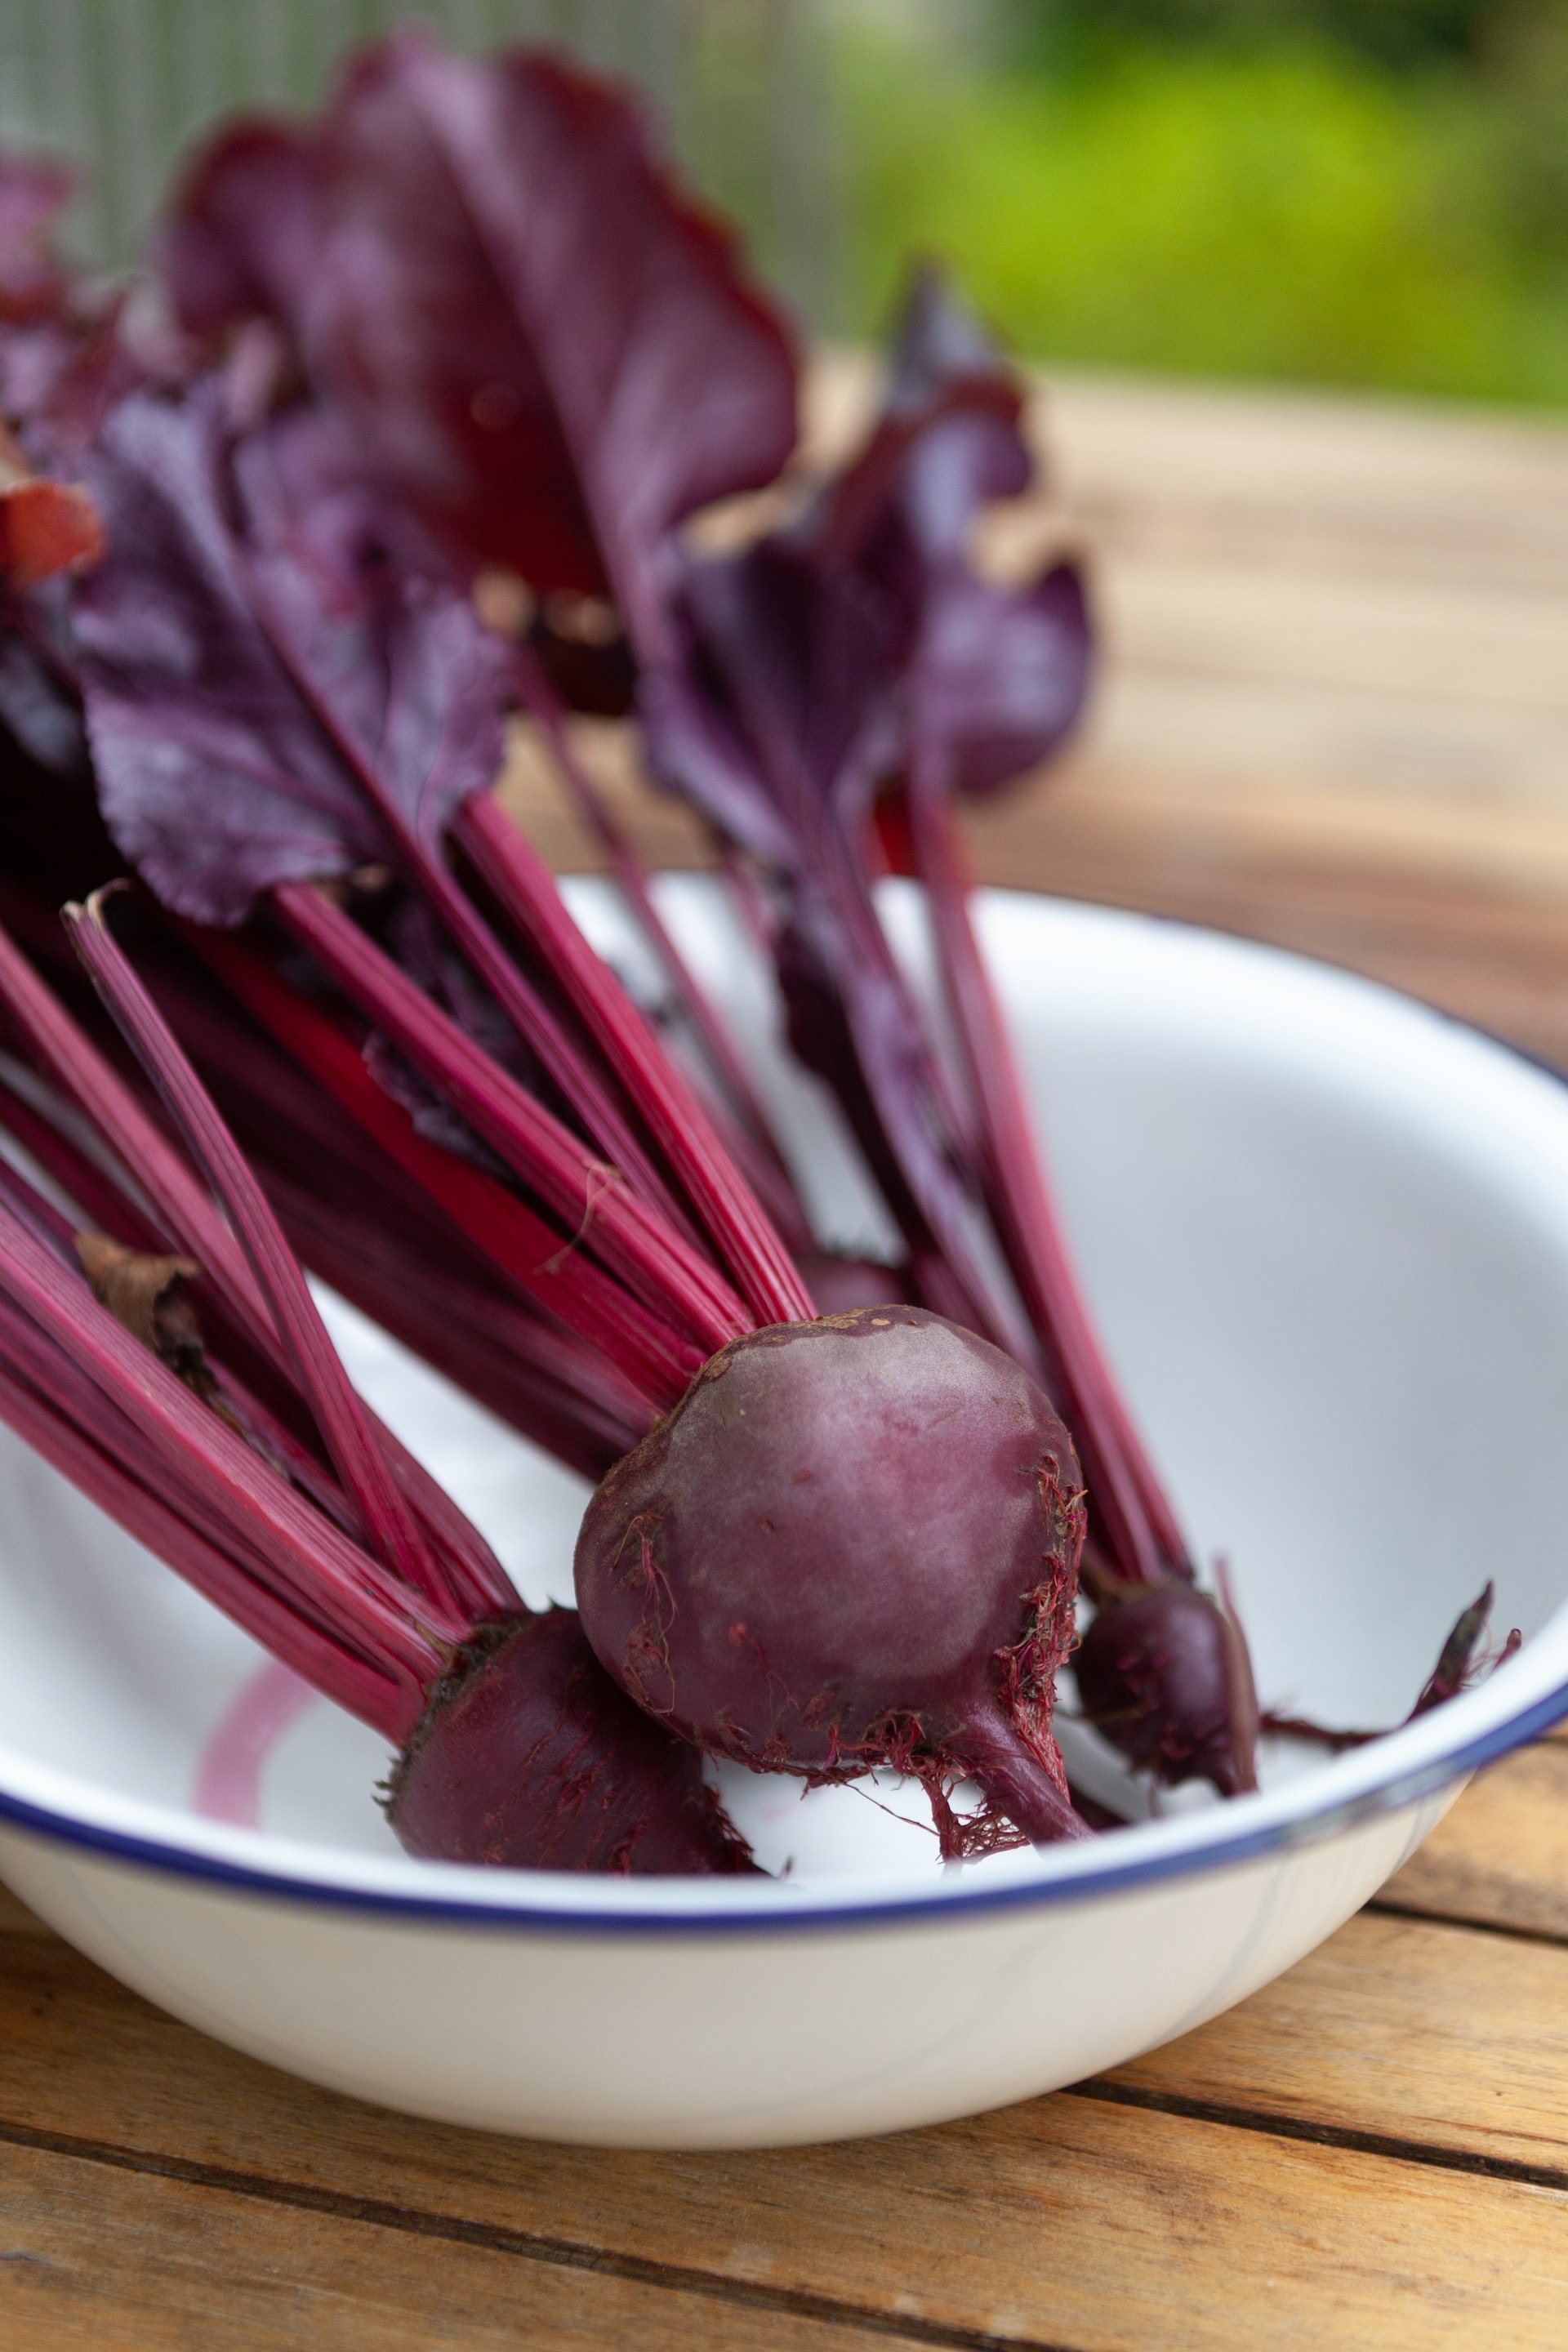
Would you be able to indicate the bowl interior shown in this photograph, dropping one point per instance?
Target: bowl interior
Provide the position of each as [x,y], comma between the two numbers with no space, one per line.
[1326,1234]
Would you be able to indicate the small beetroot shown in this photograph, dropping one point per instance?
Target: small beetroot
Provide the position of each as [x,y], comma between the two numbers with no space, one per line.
[526,1754]
[1164,1674]
[854,1542]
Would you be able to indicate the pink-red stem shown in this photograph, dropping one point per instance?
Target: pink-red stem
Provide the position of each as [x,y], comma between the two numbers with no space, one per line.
[187,1221]
[384,1704]
[746,1241]
[389,1525]
[1139,1525]
[590,1200]
[656,1360]
[635,883]
[302,1556]
[578,1083]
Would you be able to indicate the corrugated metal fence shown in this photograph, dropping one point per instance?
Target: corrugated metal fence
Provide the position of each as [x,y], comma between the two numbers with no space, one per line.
[123,85]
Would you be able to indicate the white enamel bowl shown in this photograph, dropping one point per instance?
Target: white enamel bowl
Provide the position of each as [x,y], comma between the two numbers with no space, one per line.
[1327,1234]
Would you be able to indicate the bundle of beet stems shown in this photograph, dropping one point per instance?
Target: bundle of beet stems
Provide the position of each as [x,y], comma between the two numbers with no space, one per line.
[460,347]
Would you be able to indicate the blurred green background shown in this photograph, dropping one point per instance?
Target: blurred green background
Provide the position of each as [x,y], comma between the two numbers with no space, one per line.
[1350,191]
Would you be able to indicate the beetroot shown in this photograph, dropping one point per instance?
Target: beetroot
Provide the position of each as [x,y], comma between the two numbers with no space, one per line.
[1164,1674]
[528,1754]
[854,1542]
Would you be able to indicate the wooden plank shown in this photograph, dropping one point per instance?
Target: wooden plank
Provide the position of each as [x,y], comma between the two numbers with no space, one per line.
[1236,622]
[1068,2220]
[1396,2030]
[16,1919]
[1120,2231]
[1360,487]
[95,2255]
[1501,1856]
[1334,635]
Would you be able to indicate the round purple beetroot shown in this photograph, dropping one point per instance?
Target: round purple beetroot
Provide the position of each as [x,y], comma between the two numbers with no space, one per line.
[853,1542]
[1164,1674]
[529,1756]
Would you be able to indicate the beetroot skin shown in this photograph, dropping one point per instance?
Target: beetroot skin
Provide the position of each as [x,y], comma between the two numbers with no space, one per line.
[853,1542]
[1164,1674]
[528,1756]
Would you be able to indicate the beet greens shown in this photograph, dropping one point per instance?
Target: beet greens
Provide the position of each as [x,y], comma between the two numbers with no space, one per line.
[452,367]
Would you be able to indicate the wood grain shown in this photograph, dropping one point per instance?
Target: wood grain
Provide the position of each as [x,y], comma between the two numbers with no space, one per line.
[1501,1857]
[1075,2224]
[1398,2033]
[1382,2078]
[107,2258]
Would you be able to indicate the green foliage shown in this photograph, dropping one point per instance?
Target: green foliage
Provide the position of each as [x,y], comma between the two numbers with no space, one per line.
[1393,32]
[1248,212]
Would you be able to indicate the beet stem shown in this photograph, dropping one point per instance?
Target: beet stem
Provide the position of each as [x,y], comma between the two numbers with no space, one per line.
[389,1524]
[385,1703]
[103,1203]
[183,1216]
[658,1361]
[187,1214]
[546,1383]
[356,1220]
[1017,1784]
[261,1429]
[591,1199]
[328,1572]
[922,1097]
[747,1245]
[577,1082]
[635,883]
[1140,1528]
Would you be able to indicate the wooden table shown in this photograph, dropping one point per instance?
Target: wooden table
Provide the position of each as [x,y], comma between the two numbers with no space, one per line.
[1335,715]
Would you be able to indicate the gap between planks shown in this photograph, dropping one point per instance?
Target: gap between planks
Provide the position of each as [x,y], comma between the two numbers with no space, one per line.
[236,2272]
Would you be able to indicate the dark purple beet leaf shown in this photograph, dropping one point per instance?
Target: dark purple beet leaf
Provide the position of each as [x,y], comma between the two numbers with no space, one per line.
[548,348]
[240,691]
[242,237]
[996,676]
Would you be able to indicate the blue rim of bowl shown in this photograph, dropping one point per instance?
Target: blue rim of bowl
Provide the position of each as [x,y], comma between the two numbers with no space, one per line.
[1403,1788]
[1400,1790]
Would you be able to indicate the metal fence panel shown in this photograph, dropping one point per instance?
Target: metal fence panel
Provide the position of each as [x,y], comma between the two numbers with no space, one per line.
[123,85]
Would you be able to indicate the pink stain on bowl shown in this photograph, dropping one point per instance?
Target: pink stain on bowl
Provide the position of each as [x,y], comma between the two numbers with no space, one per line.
[228,1772]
